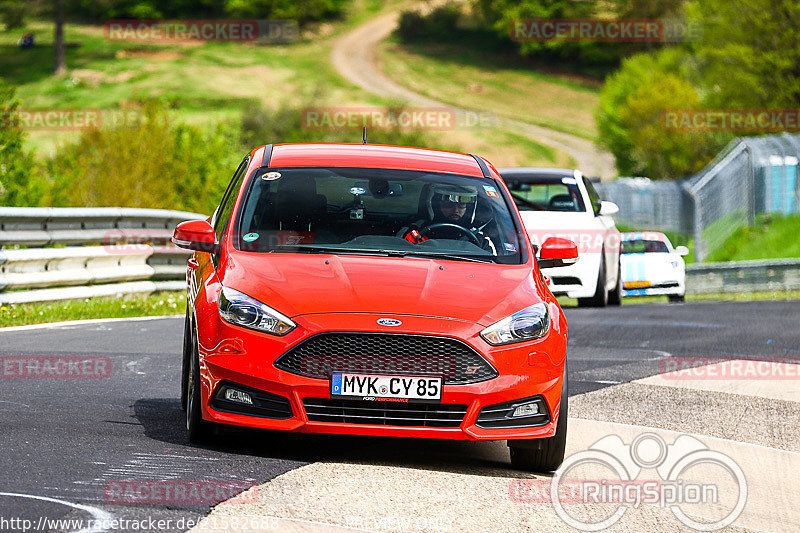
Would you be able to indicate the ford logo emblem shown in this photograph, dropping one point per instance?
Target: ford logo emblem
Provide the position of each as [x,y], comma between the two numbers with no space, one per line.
[389,322]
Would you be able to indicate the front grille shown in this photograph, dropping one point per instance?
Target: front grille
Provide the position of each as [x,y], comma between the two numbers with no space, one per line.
[265,404]
[565,280]
[389,354]
[665,285]
[384,413]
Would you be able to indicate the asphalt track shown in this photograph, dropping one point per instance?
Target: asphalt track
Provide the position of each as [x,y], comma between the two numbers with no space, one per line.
[65,440]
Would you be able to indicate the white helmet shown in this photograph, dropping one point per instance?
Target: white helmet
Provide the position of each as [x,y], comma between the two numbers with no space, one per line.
[453,193]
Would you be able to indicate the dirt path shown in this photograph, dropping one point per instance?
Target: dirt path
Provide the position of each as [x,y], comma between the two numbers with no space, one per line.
[353,56]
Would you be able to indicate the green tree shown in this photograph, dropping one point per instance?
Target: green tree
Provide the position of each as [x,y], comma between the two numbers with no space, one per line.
[755,40]
[501,14]
[659,152]
[614,133]
[58,39]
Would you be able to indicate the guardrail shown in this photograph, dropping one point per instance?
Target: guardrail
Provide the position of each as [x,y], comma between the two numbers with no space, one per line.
[63,253]
[743,276]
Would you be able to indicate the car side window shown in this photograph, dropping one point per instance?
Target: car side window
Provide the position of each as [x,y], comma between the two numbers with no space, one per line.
[593,196]
[225,208]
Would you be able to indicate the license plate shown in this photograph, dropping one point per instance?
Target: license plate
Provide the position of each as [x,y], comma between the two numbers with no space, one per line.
[636,284]
[403,388]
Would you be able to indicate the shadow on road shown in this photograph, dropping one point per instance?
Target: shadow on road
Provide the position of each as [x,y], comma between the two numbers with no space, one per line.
[163,420]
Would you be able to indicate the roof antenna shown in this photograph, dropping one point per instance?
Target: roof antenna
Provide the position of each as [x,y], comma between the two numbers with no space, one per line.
[364,136]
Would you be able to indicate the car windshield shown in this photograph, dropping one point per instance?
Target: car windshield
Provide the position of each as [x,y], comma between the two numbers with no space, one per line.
[644,246]
[377,211]
[550,195]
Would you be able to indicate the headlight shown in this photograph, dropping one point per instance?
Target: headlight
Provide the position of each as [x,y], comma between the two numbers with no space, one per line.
[242,310]
[530,323]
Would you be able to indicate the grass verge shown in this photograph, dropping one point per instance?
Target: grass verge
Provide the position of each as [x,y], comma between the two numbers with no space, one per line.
[470,78]
[772,237]
[156,304]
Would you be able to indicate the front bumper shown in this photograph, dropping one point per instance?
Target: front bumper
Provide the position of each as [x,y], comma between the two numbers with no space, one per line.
[232,354]
[578,280]
[670,287]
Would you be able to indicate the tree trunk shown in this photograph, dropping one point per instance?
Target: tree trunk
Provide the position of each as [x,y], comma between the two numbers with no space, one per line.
[58,42]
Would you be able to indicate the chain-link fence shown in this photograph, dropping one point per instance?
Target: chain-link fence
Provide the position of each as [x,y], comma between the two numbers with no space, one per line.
[648,204]
[751,175]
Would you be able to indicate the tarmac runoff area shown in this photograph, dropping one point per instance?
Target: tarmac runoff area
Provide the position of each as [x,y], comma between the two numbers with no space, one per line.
[749,428]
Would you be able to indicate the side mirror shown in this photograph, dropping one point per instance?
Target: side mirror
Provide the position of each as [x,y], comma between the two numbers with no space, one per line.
[608,208]
[195,235]
[682,250]
[557,252]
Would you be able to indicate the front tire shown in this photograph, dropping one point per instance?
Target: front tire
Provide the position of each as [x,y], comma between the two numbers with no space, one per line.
[543,455]
[199,430]
[615,295]
[678,298]
[186,360]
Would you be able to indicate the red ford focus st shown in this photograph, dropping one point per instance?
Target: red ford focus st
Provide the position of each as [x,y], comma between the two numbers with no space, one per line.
[374,290]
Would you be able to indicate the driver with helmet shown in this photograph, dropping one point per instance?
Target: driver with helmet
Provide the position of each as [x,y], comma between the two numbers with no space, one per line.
[451,213]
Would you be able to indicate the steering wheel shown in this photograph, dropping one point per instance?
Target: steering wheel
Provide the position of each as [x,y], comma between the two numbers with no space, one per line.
[471,236]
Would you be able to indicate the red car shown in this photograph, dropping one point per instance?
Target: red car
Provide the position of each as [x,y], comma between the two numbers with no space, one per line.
[374,290]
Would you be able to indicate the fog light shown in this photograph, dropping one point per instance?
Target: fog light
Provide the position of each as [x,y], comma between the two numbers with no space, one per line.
[529,409]
[238,396]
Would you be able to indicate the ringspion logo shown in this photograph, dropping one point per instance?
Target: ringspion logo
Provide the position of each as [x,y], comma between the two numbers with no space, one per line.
[594,488]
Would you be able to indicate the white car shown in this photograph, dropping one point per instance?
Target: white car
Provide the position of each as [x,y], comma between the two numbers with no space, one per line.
[563,203]
[651,266]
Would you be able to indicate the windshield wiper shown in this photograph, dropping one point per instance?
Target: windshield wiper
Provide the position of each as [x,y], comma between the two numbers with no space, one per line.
[289,248]
[390,253]
[434,255]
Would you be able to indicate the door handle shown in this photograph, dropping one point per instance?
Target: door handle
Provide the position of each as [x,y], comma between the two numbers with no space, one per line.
[193,264]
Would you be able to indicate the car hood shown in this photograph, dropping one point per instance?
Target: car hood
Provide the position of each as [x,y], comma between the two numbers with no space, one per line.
[648,266]
[300,284]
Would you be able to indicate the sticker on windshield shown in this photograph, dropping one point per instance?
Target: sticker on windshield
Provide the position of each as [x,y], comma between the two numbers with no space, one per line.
[510,247]
[569,181]
[491,191]
[250,237]
[270,176]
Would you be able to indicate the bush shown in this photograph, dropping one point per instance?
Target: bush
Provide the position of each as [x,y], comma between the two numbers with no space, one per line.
[13,14]
[446,23]
[20,183]
[153,164]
